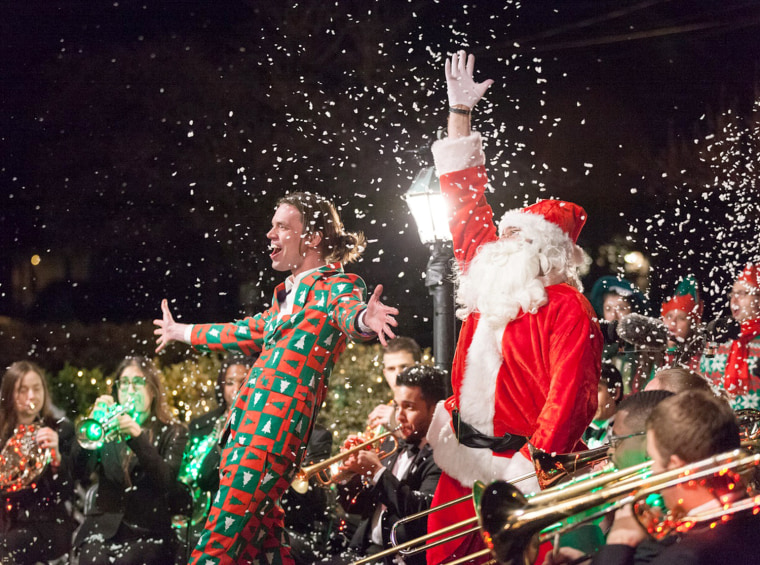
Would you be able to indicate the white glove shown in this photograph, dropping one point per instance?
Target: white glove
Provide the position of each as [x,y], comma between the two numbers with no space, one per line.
[462,88]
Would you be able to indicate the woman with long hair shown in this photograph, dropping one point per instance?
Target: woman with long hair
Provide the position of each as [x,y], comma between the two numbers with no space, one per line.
[34,522]
[127,513]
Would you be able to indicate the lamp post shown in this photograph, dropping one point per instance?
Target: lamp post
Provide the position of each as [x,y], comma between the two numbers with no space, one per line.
[428,207]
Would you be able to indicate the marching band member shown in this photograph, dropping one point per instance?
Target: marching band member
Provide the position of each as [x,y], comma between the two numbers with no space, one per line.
[628,447]
[400,353]
[128,521]
[735,365]
[682,314]
[609,395]
[683,429]
[528,358]
[35,524]
[384,491]
[613,299]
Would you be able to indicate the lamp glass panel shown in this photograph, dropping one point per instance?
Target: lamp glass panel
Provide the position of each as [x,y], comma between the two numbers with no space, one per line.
[419,206]
[440,217]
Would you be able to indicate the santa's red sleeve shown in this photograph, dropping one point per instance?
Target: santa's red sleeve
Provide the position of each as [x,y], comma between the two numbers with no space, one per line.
[461,165]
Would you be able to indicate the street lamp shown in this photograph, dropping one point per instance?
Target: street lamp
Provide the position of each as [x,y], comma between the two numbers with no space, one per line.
[428,207]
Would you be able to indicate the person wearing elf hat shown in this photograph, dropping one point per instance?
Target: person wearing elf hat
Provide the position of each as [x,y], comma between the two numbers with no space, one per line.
[735,365]
[682,314]
[613,298]
[528,358]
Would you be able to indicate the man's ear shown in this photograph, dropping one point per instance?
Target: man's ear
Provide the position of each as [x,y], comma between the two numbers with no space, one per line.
[676,462]
[314,239]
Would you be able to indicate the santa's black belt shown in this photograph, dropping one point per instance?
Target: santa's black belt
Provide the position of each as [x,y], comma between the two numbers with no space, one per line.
[469,436]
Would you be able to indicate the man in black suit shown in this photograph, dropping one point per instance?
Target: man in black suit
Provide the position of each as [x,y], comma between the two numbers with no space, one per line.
[683,429]
[385,491]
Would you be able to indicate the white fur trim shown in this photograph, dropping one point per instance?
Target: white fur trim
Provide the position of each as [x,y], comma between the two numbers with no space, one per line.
[532,225]
[468,465]
[477,393]
[458,154]
[441,419]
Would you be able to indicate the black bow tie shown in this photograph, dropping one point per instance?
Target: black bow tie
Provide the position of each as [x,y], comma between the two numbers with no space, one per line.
[411,448]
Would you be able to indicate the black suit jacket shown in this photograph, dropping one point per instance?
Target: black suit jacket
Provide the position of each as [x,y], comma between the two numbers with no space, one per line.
[402,497]
[735,542]
[139,495]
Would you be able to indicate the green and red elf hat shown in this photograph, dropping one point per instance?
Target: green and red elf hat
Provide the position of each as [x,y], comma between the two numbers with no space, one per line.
[750,275]
[686,298]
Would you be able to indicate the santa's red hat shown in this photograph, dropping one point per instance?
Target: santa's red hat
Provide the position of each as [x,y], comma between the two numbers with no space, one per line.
[750,275]
[559,218]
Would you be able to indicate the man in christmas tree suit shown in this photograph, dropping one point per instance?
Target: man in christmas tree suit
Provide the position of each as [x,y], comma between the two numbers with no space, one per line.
[298,340]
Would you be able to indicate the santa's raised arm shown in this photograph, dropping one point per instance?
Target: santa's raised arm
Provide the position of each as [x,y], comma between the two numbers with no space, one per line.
[528,357]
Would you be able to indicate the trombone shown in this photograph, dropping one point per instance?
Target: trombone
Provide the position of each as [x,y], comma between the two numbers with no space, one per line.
[330,470]
[550,469]
[510,521]
[749,424]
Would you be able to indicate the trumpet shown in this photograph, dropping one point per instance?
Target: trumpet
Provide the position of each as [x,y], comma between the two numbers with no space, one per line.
[100,427]
[331,470]
[550,470]
[510,521]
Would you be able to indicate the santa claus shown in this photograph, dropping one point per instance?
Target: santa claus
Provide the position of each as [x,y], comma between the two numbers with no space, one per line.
[528,359]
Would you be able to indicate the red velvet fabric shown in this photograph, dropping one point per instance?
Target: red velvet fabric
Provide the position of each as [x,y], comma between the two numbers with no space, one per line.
[547,384]
[568,216]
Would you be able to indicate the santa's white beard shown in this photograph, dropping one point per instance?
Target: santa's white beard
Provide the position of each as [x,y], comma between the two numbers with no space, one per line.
[501,281]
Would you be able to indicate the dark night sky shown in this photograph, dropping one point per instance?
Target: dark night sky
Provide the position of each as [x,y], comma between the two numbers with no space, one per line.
[153,137]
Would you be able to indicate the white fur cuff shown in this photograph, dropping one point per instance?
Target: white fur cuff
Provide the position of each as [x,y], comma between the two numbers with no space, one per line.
[441,420]
[520,466]
[458,154]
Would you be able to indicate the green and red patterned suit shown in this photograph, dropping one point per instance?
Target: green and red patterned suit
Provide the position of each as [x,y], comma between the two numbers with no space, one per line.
[272,414]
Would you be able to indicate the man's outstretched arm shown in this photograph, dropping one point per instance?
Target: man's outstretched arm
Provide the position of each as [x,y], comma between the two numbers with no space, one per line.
[379,317]
[168,330]
[243,335]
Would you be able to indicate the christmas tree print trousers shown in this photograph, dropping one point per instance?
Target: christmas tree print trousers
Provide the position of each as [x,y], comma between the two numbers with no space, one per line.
[245,524]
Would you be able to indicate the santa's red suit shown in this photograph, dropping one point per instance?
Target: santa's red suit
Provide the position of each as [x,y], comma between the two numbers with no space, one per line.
[535,377]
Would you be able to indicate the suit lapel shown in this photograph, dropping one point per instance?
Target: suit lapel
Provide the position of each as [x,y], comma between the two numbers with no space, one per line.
[419,459]
[300,291]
